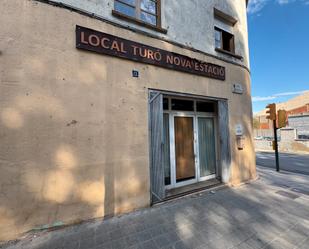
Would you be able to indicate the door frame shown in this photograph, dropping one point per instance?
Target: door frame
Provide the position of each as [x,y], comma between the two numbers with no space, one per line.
[212,176]
[195,115]
[174,183]
[222,124]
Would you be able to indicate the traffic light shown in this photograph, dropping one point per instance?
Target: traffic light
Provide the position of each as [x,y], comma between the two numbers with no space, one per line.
[282,118]
[273,143]
[271,111]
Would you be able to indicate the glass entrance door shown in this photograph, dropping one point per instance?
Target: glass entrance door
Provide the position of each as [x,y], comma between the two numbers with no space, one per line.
[189,142]
[184,148]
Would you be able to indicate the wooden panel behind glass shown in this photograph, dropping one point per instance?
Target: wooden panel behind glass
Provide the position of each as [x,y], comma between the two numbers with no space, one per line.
[184,148]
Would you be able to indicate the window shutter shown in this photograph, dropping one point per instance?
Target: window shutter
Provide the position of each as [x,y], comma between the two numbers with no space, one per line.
[156,147]
[232,44]
[225,153]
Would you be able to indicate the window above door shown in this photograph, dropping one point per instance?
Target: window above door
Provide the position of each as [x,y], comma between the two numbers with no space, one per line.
[146,13]
[172,104]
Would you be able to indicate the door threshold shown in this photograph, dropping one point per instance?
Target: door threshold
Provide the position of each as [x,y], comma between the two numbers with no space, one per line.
[192,188]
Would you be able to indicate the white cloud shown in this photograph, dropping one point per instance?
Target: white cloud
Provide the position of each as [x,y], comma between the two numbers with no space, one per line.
[289,93]
[275,96]
[256,6]
[258,98]
[284,1]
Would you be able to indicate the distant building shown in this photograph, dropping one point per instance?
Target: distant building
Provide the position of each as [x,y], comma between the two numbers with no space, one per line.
[298,118]
[301,124]
[297,112]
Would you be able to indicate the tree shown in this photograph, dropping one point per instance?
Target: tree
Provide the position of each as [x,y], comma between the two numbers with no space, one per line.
[256,123]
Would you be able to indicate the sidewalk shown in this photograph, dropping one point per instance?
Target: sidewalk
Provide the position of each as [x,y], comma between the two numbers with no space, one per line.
[272,212]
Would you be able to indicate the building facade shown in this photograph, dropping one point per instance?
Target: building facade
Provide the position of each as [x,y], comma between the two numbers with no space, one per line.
[301,124]
[109,106]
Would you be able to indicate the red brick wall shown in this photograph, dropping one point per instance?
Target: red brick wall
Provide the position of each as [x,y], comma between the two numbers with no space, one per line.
[264,126]
[299,110]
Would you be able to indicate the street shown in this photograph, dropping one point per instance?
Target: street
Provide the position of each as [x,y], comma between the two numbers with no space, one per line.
[297,163]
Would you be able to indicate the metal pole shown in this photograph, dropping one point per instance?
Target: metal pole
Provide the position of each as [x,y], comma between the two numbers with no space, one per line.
[276,146]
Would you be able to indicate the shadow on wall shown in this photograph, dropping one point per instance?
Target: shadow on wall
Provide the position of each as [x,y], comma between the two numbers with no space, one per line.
[66,155]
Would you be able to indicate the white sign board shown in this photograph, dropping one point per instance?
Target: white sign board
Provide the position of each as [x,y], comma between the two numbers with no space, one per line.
[237,88]
[239,130]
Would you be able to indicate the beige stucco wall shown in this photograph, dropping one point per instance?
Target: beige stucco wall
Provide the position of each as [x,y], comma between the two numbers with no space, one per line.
[74,124]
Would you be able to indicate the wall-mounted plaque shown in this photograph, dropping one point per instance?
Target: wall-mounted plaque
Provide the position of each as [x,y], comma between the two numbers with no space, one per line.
[239,130]
[237,88]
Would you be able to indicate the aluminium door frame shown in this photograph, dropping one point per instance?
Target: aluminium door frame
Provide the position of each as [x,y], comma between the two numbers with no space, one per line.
[174,183]
[198,178]
[212,176]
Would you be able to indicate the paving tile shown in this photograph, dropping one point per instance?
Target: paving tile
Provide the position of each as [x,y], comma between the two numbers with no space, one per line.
[117,234]
[219,244]
[118,244]
[138,227]
[143,236]
[173,236]
[181,245]
[157,231]
[193,242]
[300,190]
[302,228]
[71,243]
[87,243]
[303,245]
[102,237]
[163,241]
[150,244]
[280,244]
[255,242]
[294,237]
[130,241]
[103,246]
[134,247]
[169,247]
[236,237]
[210,233]
[243,245]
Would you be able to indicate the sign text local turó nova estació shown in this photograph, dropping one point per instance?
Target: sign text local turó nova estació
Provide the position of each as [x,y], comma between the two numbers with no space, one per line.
[103,43]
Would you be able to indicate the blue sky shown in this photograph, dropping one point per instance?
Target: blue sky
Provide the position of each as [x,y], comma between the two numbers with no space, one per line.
[279,50]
